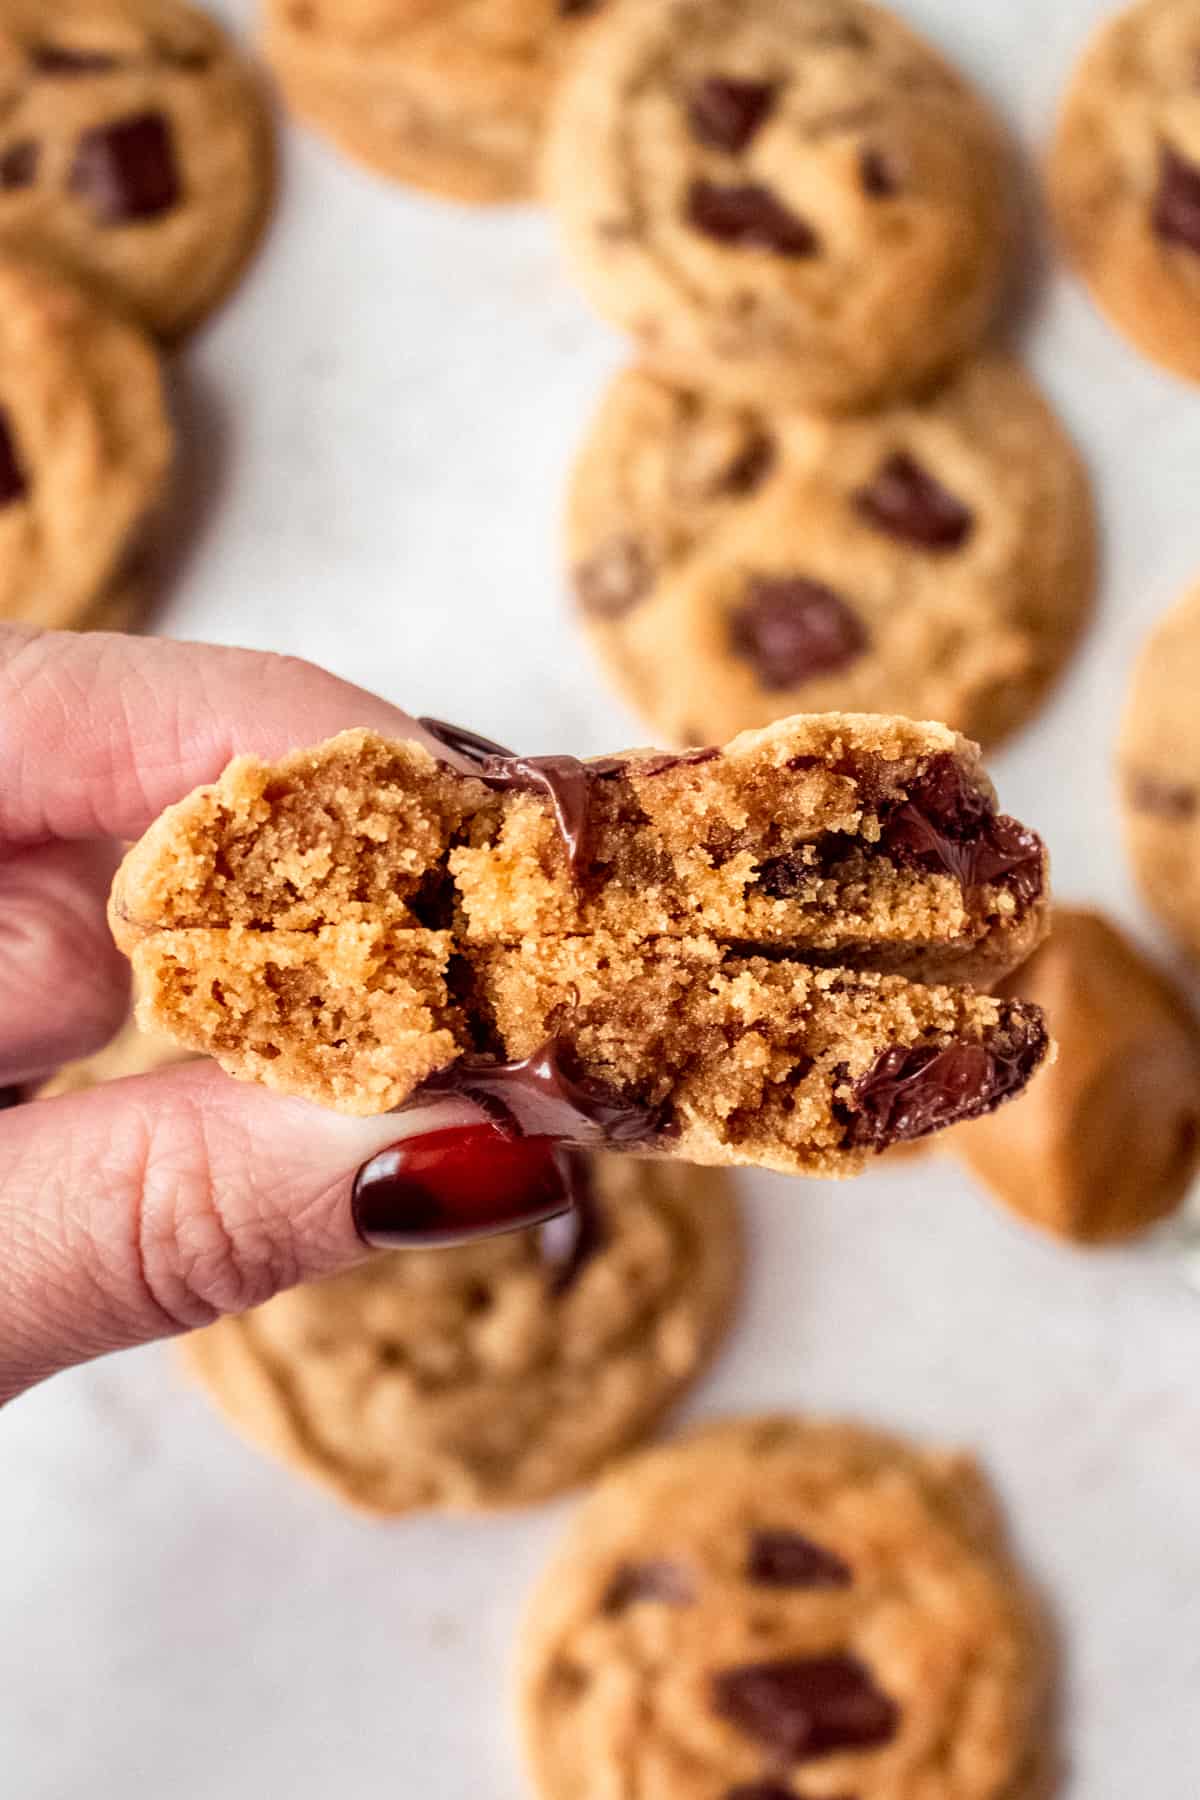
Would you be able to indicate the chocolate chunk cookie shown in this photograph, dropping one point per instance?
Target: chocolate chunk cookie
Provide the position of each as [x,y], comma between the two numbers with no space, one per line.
[733,564]
[133,150]
[447,95]
[1159,771]
[787,201]
[85,452]
[495,1374]
[1107,1139]
[1125,177]
[771,1609]
[749,955]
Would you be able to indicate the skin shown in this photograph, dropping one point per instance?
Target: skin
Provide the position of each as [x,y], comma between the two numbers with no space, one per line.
[154,1205]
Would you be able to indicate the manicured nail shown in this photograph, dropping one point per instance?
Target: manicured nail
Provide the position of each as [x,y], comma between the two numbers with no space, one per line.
[461,1182]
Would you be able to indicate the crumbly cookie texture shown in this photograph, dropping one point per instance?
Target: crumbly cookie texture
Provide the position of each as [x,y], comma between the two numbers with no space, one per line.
[1125,177]
[1106,1141]
[132,1052]
[773,1609]
[134,151]
[85,451]
[786,201]
[450,97]
[1159,771]
[735,563]
[497,1374]
[741,954]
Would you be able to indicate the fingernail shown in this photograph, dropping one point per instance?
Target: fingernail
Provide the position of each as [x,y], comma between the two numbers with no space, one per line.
[458,1183]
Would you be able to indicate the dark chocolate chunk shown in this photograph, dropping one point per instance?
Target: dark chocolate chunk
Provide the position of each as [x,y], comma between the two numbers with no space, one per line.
[606,768]
[668,1583]
[1176,215]
[13,484]
[574,9]
[726,114]
[542,1096]
[749,217]
[904,500]
[878,174]
[750,467]
[1175,800]
[568,1243]
[469,751]
[790,629]
[947,826]
[613,581]
[807,1707]
[783,877]
[762,1790]
[786,1559]
[912,1092]
[563,779]
[126,171]
[60,59]
[19,164]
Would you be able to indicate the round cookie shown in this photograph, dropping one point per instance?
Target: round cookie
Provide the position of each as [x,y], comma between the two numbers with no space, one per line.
[134,151]
[85,452]
[1125,177]
[733,564]
[789,201]
[449,96]
[770,1609]
[494,1374]
[1159,771]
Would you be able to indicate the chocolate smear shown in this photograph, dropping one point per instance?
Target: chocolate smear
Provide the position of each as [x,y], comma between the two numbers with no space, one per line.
[563,779]
[542,1097]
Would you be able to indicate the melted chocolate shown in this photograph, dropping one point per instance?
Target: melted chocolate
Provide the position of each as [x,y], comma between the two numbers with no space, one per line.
[540,1097]
[726,114]
[912,1092]
[667,1583]
[749,217]
[567,1243]
[947,826]
[785,1559]
[563,779]
[607,768]
[807,1707]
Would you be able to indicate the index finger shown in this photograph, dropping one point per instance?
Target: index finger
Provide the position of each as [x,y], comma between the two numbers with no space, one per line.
[99,733]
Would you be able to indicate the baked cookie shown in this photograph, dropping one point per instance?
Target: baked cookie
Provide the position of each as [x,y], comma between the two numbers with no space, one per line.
[496,1374]
[734,564]
[85,451]
[1107,1139]
[770,1609]
[744,956]
[447,95]
[134,151]
[1159,771]
[132,1052]
[1125,177]
[787,201]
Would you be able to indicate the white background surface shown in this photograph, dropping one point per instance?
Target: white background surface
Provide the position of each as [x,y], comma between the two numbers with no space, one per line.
[382,421]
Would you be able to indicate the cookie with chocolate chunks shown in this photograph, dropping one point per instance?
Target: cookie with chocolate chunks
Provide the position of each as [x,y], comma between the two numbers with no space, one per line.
[1125,177]
[755,955]
[134,151]
[449,96]
[785,201]
[495,1374]
[86,446]
[771,1608]
[732,563]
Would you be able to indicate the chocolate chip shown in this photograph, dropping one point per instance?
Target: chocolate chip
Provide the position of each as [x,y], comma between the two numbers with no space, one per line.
[665,1582]
[904,500]
[783,877]
[614,580]
[749,217]
[786,1559]
[19,164]
[807,1707]
[949,827]
[790,629]
[1176,215]
[574,9]
[567,1244]
[878,175]
[762,1790]
[726,114]
[58,59]
[608,768]
[126,171]
[750,467]
[912,1092]
[13,485]
[1166,799]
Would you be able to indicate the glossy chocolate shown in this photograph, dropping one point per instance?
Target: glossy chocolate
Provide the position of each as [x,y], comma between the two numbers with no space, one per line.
[912,1092]
[540,1097]
[568,1242]
[563,779]
[948,826]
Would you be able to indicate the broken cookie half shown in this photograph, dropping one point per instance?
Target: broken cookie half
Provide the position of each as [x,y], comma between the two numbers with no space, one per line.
[765,954]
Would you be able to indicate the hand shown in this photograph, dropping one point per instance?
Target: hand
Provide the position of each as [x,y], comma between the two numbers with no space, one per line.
[152,1206]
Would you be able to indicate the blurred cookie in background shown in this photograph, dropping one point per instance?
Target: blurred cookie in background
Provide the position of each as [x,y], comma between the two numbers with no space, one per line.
[86,447]
[772,1608]
[792,202]
[734,564]
[447,95]
[495,1374]
[1125,177]
[132,1052]
[1159,771]
[134,151]
[1106,1140]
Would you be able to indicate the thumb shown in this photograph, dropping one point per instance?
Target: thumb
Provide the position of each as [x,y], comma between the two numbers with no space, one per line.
[152,1206]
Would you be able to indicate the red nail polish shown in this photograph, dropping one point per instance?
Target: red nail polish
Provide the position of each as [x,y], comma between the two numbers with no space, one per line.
[466,1182]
